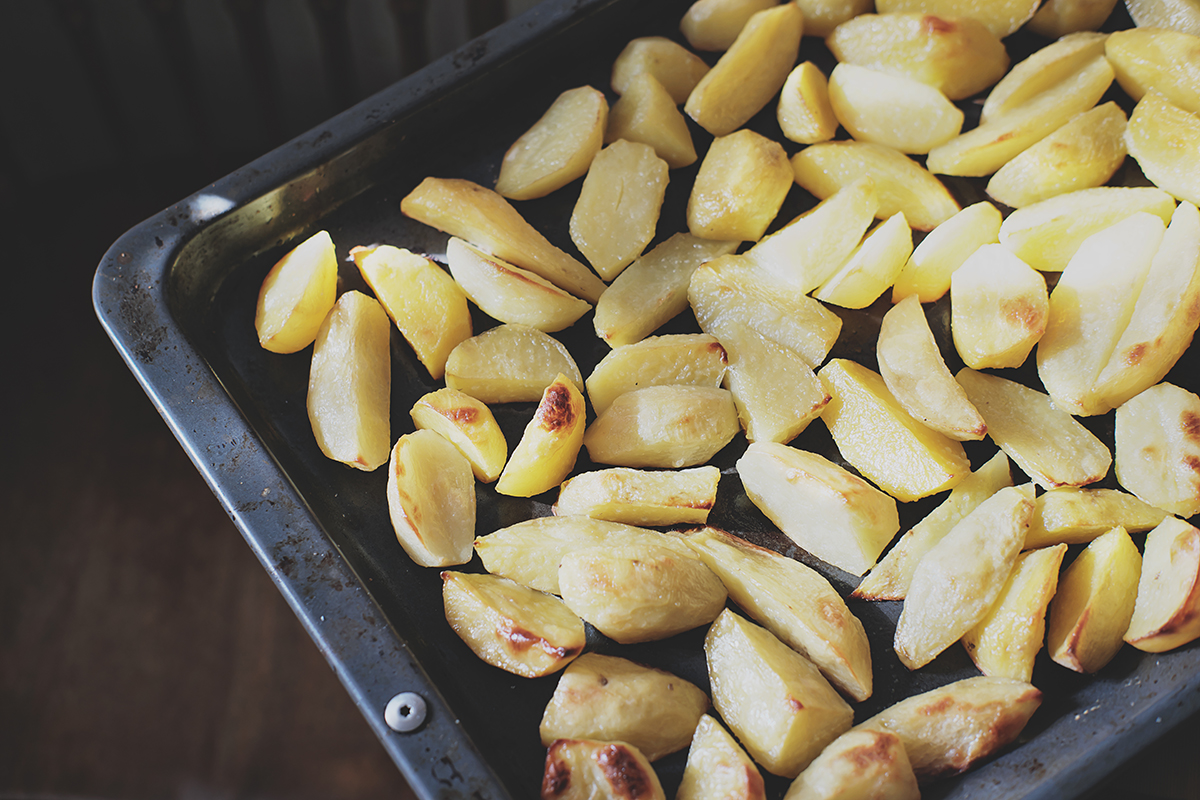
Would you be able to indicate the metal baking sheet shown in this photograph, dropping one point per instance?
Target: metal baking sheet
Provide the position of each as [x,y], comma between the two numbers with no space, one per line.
[177,295]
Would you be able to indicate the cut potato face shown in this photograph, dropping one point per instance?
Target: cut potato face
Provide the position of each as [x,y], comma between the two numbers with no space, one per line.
[469,425]
[742,182]
[559,147]
[349,383]
[872,268]
[669,62]
[583,769]
[1158,59]
[641,497]
[858,764]
[1161,137]
[509,364]
[663,427]
[1045,69]
[1069,515]
[892,110]
[1166,614]
[1158,448]
[999,308]
[550,444]
[646,113]
[1001,18]
[822,16]
[511,626]
[944,249]
[1178,15]
[431,499]
[297,295]
[617,700]
[804,112]
[715,24]
[1056,18]
[717,766]
[690,359]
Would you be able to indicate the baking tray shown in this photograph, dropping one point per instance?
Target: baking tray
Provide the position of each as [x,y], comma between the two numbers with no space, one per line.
[176,294]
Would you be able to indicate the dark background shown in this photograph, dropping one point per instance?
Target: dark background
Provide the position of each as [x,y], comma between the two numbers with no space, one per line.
[144,652]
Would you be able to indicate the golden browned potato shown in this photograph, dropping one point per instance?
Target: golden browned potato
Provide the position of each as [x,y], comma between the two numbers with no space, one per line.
[550,443]
[469,425]
[804,112]
[663,427]
[1158,448]
[999,307]
[558,148]
[585,769]
[349,383]
[671,64]
[858,765]
[1043,70]
[944,249]
[1166,613]
[892,110]
[614,699]
[717,766]
[1058,18]
[1159,59]
[741,184]
[1161,138]
[641,497]
[1071,515]
[715,24]
[509,364]
[1001,17]
[431,499]
[872,268]
[1179,15]
[297,295]
[692,359]
[511,626]
[646,113]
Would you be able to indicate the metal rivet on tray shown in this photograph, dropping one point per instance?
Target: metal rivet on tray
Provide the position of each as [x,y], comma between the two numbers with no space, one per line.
[405,712]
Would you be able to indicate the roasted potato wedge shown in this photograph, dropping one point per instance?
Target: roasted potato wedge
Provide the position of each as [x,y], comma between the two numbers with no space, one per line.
[858,765]
[1158,448]
[1001,18]
[469,425]
[297,295]
[1057,18]
[999,308]
[641,497]
[646,113]
[872,268]
[1040,72]
[585,769]
[1161,138]
[431,499]
[944,249]
[550,444]
[690,359]
[559,147]
[892,110]
[822,16]
[740,187]
[717,766]
[509,364]
[1166,613]
[1070,515]
[804,112]
[1157,59]
[663,427]
[715,24]
[673,65]
[1179,15]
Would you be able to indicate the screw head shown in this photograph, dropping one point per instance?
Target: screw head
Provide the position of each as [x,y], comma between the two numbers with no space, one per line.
[405,712]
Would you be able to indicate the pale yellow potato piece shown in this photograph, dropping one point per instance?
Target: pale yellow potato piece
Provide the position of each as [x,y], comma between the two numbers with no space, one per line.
[297,295]
[890,578]
[1094,603]
[614,699]
[1162,138]
[1166,613]
[715,24]
[873,432]
[1179,15]
[429,308]
[510,294]
[1165,317]
[558,148]
[985,149]
[646,113]
[1090,307]
[431,499]
[1071,515]
[794,602]
[488,221]
[641,497]
[1157,448]
[872,268]
[901,184]
[960,578]
[775,700]
[511,626]
[671,64]
[1007,640]
[914,371]
[469,425]
[349,383]
[892,110]
[944,249]
[1042,71]
[741,184]
[1046,234]
[639,592]
[804,112]
[829,511]
[776,392]
[717,766]
[509,364]
[1056,18]
[1047,443]
[585,769]
[690,359]
[653,289]
[1001,17]
[958,56]
[822,16]
[947,730]
[529,551]
[731,289]
[1158,59]
[805,252]
[665,427]
[999,308]
[550,444]
[858,765]
[750,73]
[1083,153]
[617,211]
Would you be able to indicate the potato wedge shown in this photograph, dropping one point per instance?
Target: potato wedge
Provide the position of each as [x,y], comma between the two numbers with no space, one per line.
[944,249]
[830,512]
[550,444]
[488,221]
[1166,613]
[957,582]
[1158,448]
[872,268]
[639,592]
[646,113]
[431,499]
[690,359]
[673,65]
[511,626]
[804,112]
[715,24]
[1161,138]
[1040,72]
[892,110]
[750,73]
[740,187]
[1179,15]
[469,425]
[822,16]
[999,308]
[509,364]
[947,730]
[1158,59]
[1001,18]
[1094,603]
[717,766]
[296,296]
[856,766]
[614,699]
[584,769]
[775,700]
[559,147]
[663,427]
[1057,18]
[1070,515]
[1046,442]
[794,602]
[641,497]
[349,383]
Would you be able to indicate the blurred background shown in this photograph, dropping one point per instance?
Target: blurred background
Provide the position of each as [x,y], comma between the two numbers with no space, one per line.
[144,652]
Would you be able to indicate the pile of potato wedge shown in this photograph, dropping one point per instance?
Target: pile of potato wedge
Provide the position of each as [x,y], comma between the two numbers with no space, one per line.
[1021,239]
